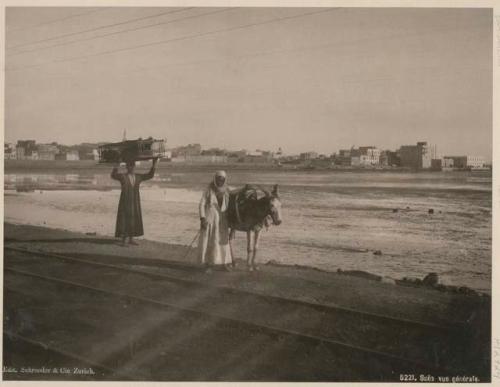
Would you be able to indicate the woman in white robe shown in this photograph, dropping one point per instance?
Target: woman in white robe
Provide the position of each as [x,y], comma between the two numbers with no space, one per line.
[213,245]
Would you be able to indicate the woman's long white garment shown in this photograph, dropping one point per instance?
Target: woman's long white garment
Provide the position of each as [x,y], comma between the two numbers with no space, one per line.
[213,244]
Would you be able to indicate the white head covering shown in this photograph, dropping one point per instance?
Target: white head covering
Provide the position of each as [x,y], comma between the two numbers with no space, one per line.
[220,173]
[223,188]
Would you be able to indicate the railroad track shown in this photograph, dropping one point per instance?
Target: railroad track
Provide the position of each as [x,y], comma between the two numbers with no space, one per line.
[396,362]
[384,319]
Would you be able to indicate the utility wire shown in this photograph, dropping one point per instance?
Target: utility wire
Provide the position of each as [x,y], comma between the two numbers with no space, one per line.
[56,20]
[306,48]
[93,29]
[178,39]
[114,33]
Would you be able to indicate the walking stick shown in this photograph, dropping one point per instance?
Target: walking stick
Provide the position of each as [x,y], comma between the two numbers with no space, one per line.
[189,247]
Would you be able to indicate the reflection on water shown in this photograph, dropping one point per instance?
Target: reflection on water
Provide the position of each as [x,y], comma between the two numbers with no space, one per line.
[476,181]
[29,182]
[332,220]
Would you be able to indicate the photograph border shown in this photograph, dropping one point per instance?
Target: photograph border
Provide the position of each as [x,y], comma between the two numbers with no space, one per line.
[494,4]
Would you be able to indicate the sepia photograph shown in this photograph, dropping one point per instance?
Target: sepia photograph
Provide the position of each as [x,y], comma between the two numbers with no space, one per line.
[236,193]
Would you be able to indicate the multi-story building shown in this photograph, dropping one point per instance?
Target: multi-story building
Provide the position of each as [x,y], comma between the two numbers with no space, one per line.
[467,162]
[25,149]
[20,153]
[9,151]
[390,158]
[415,156]
[355,157]
[309,155]
[437,164]
[47,151]
[344,157]
[448,163]
[369,155]
[442,164]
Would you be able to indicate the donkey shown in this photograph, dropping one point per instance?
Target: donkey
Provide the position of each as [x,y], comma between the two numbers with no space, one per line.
[246,212]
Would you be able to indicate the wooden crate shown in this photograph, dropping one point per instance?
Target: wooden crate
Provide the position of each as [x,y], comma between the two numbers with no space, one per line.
[131,150]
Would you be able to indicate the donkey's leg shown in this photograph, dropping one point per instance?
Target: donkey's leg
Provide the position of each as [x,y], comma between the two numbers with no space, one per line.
[231,237]
[249,249]
[255,248]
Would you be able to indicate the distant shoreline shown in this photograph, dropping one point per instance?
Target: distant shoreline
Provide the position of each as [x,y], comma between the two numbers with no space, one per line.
[81,165]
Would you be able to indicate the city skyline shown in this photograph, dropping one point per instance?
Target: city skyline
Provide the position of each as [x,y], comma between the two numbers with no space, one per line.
[305,79]
[433,149]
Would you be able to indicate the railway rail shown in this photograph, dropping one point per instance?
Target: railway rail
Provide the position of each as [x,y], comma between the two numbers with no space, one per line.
[459,326]
[397,362]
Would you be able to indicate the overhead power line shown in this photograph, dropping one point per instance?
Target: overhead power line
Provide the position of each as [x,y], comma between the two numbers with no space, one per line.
[93,29]
[115,33]
[321,46]
[56,20]
[177,39]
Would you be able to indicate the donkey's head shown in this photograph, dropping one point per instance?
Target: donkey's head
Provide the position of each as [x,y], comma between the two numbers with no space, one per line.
[274,205]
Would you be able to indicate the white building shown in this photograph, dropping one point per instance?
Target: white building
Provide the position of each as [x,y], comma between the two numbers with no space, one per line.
[72,155]
[369,155]
[356,161]
[475,162]
[467,162]
[34,156]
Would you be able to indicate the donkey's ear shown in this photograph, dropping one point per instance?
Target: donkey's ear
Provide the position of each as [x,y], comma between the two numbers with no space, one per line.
[275,190]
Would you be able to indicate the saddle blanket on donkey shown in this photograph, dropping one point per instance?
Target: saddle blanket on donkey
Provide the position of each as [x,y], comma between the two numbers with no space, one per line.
[241,210]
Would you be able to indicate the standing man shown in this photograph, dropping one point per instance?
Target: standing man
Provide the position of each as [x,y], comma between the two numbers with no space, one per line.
[213,244]
[129,217]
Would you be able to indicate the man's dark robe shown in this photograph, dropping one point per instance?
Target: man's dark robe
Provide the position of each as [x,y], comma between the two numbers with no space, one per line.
[129,217]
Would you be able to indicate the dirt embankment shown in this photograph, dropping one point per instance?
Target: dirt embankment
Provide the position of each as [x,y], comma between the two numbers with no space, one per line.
[419,328]
[353,290]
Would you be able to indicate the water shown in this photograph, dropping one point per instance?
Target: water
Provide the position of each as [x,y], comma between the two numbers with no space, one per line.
[331,220]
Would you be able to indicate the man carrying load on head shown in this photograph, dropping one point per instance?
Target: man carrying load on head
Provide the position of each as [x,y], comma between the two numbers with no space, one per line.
[129,217]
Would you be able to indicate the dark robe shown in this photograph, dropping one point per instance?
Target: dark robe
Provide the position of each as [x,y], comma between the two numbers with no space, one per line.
[129,217]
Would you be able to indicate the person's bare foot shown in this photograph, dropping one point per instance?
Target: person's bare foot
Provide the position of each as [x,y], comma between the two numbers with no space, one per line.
[132,242]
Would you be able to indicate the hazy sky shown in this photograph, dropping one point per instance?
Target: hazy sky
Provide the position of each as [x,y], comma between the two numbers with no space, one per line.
[297,78]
